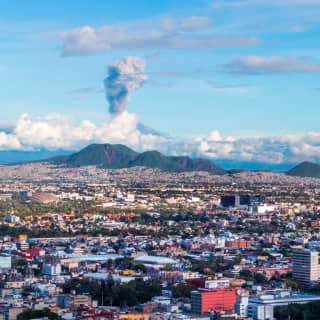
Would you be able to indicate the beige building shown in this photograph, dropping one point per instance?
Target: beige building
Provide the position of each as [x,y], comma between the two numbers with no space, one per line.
[306,266]
[10,313]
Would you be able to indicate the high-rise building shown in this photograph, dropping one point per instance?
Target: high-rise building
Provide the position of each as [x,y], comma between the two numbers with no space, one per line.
[251,200]
[242,200]
[241,306]
[230,201]
[306,266]
[207,300]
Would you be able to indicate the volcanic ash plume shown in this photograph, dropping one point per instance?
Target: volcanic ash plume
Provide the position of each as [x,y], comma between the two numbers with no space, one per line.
[124,77]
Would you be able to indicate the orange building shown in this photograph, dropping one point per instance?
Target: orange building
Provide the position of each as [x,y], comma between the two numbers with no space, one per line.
[240,243]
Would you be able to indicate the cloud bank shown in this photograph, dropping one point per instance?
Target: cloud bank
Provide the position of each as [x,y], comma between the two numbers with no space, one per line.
[55,132]
[168,33]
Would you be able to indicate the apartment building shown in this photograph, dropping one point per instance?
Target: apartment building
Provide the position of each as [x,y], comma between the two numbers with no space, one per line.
[306,266]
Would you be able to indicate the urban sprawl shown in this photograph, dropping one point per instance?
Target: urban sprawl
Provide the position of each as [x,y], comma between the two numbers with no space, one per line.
[142,244]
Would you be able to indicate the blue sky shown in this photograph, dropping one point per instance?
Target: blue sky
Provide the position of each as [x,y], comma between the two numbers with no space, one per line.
[246,68]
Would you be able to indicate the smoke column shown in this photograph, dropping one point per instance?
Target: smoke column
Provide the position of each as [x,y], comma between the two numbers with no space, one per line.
[124,77]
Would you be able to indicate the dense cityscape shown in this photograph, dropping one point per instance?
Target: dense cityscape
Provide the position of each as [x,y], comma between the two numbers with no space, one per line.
[141,243]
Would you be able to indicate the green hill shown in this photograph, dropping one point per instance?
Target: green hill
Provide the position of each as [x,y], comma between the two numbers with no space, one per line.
[153,159]
[119,156]
[105,155]
[188,164]
[305,169]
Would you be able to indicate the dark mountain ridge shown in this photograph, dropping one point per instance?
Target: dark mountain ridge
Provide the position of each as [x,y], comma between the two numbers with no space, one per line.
[305,169]
[106,155]
[119,156]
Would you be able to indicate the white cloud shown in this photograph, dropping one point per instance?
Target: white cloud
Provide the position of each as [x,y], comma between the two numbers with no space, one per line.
[214,136]
[260,65]
[57,132]
[9,142]
[169,33]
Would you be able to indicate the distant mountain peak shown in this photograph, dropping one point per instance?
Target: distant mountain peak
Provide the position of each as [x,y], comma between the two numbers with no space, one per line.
[305,169]
[106,155]
[119,156]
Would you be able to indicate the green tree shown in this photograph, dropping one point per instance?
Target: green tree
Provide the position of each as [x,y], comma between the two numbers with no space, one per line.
[34,314]
[182,290]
